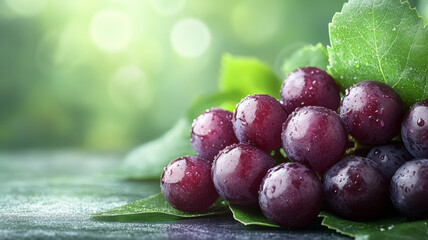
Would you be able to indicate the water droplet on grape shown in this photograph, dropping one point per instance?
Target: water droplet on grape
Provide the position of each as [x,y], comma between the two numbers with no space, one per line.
[420,122]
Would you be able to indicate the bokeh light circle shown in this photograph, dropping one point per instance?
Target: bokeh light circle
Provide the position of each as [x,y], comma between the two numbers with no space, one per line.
[110,30]
[129,88]
[27,7]
[190,37]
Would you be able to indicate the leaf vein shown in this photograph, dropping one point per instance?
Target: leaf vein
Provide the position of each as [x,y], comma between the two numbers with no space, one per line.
[376,47]
[408,57]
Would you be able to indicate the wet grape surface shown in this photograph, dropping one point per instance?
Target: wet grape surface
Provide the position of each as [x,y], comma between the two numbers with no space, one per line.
[414,130]
[355,188]
[238,171]
[258,119]
[309,86]
[212,131]
[389,157]
[291,195]
[187,185]
[315,136]
[372,112]
[409,189]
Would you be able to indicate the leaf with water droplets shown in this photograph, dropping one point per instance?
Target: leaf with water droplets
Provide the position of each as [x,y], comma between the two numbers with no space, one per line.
[383,40]
[155,208]
[386,227]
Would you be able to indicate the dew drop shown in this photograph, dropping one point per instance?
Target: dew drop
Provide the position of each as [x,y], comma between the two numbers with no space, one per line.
[420,122]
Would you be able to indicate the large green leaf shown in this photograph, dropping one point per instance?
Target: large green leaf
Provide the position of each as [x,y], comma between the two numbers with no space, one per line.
[383,40]
[391,228]
[246,75]
[309,55]
[250,216]
[155,208]
[147,161]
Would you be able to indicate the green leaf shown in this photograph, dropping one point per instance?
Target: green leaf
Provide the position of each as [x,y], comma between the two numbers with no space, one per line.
[309,55]
[383,40]
[250,216]
[147,161]
[155,208]
[224,100]
[246,76]
[392,227]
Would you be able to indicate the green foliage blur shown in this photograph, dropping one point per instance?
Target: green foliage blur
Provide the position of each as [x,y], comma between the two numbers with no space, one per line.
[109,75]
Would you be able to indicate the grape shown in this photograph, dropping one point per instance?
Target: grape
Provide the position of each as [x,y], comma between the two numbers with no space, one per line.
[309,86]
[372,112]
[257,120]
[389,157]
[414,130]
[409,189]
[237,172]
[187,184]
[315,136]
[212,131]
[355,188]
[290,195]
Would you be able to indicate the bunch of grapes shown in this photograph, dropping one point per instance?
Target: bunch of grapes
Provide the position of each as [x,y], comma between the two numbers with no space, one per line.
[235,153]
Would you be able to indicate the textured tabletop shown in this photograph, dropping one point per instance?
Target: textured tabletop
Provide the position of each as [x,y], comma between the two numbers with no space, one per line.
[51,195]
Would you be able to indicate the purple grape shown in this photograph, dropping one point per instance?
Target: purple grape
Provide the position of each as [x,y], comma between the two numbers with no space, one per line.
[372,112]
[409,189]
[414,130]
[355,188]
[290,195]
[212,131]
[389,157]
[187,184]
[315,136]
[257,120]
[309,86]
[237,172]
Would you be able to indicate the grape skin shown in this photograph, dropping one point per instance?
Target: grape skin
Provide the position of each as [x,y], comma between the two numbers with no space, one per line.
[372,112]
[414,130]
[290,195]
[309,86]
[257,120]
[212,131]
[355,188]
[315,136]
[187,185]
[389,157]
[237,172]
[409,189]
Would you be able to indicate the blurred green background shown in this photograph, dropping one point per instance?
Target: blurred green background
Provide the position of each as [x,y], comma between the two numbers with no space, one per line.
[109,75]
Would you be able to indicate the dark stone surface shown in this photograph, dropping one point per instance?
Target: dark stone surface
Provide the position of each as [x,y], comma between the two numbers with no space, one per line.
[50,195]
